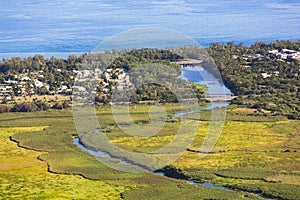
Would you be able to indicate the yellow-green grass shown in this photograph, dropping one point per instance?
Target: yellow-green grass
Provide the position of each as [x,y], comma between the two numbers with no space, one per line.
[248,110]
[142,145]
[248,144]
[259,145]
[42,97]
[32,181]
[262,157]
[284,178]
[23,176]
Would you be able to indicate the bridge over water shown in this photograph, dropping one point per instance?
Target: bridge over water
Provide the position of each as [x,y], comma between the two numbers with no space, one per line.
[189,62]
[219,97]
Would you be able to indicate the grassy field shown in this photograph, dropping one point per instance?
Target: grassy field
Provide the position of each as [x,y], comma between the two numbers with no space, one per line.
[255,144]
[50,134]
[50,98]
[258,156]
[23,176]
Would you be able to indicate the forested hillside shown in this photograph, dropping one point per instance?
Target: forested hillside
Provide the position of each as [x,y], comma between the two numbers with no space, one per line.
[263,76]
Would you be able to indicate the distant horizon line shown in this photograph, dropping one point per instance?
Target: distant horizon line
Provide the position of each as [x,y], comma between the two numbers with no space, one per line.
[66,54]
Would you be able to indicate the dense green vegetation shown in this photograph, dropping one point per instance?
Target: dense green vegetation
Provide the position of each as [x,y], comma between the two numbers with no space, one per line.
[36,105]
[136,57]
[259,78]
[40,76]
[242,67]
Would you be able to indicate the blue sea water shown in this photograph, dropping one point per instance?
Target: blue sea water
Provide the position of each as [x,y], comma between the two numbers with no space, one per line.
[41,26]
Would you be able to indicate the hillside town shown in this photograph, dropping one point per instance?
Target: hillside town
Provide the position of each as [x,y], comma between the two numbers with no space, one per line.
[33,84]
[284,55]
[281,55]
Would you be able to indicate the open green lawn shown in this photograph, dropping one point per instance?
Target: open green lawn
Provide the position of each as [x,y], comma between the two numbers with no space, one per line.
[261,157]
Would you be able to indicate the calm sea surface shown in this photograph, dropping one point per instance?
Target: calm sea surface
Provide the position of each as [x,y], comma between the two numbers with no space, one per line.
[43,26]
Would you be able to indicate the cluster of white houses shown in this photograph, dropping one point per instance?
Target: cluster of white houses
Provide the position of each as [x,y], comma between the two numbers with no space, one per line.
[5,93]
[283,55]
[286,54]
[26,85]
[106,79]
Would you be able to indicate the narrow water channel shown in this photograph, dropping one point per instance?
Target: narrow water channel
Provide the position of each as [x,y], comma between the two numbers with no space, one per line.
[196,75]
[105,155]
[76,141]
[192,74]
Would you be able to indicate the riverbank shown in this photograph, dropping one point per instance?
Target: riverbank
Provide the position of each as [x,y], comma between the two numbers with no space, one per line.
[168,172]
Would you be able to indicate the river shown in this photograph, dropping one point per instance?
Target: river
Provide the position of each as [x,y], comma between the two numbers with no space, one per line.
[191,75]
[105,155]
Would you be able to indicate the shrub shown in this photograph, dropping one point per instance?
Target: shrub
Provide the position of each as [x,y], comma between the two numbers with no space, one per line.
[25,107]
[4,109]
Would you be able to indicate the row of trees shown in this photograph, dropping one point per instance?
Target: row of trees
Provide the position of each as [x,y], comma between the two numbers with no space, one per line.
[33,106]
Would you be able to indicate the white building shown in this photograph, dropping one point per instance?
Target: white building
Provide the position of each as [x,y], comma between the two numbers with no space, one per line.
[25,78]
[266,75]
[38,83]
[11,82]
[275,51]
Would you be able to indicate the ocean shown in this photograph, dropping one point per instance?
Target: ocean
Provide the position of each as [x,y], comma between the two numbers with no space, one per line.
[61,28]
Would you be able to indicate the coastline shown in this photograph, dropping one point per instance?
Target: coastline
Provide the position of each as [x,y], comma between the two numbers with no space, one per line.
[207,42]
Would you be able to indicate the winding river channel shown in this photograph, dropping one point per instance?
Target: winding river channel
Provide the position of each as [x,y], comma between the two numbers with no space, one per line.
[197,75]
[105,155]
